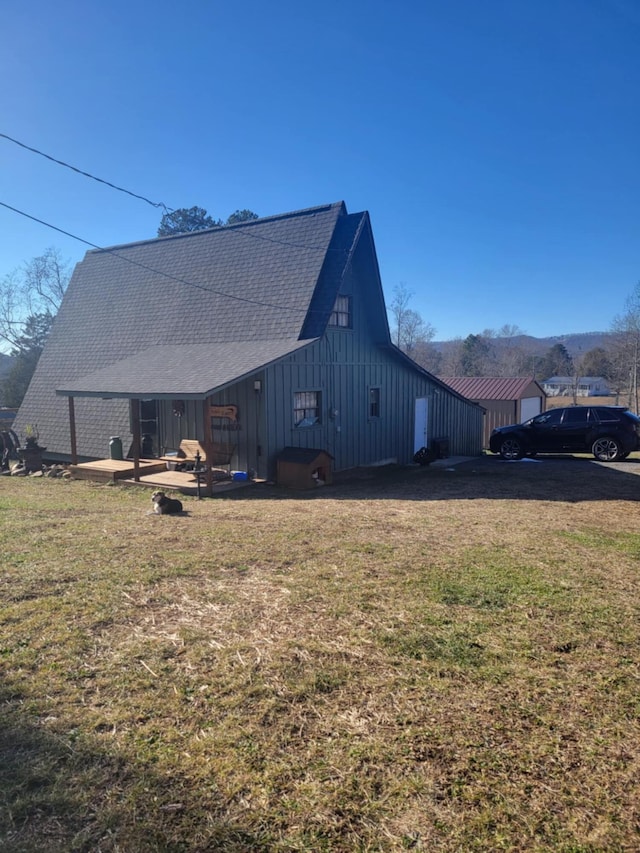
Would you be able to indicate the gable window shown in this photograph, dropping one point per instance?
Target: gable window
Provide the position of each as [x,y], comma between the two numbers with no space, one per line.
[306,408]
[374,402]
[341,314]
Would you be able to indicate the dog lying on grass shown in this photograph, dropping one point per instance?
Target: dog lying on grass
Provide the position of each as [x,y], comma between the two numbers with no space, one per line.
[162,505]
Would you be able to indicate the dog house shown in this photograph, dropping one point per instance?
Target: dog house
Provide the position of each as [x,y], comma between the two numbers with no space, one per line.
[304,468]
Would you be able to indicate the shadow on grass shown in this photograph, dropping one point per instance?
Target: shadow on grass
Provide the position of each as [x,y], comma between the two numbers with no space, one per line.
[553,478]
[63,793]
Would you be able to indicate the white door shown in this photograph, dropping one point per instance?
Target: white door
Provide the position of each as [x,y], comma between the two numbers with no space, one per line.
[420,438]
[529,406]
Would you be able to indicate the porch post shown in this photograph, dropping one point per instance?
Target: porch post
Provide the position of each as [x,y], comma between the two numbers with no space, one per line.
[135,420]
[208,445]
[72,431]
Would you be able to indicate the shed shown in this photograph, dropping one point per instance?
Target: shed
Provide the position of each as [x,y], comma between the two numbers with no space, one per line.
[304,468]
[506,400]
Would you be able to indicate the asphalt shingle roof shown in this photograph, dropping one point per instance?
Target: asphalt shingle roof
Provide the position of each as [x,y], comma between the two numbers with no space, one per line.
[257,286]
[188,370]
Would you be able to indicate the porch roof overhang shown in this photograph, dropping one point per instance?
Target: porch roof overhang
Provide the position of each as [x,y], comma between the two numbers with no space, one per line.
[181,371]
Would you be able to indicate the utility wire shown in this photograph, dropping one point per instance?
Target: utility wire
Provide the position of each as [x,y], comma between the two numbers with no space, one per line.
[157,204]
[152,269]
[86,174]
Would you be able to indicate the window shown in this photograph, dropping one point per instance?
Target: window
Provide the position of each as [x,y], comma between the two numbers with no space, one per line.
[607,415]
[306,408]
[374,402]
[341,314]
[550,418]
[576,415]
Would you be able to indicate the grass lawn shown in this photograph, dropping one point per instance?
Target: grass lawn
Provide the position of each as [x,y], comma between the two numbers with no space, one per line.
[420,660]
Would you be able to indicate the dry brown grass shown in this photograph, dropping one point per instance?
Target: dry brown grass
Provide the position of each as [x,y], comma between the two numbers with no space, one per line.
[424,659]
[560,402]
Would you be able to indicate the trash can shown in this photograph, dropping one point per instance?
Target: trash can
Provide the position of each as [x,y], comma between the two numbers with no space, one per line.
[115,447]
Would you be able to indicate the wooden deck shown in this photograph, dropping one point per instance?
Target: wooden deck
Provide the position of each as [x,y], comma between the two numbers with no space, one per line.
[110,470]
[153,474]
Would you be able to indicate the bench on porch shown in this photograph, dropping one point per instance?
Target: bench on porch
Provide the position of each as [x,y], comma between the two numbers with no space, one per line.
[221,454]
[186,453]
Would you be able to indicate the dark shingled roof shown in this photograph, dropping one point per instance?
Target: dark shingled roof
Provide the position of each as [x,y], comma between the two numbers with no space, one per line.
[488,388]
[189,370]
[261,288]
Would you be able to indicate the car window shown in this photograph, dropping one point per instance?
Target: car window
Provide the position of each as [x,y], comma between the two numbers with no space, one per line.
[551,417]
[605,414]
[576,415]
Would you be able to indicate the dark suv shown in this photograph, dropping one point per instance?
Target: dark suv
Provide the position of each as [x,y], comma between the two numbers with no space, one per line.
[611,433]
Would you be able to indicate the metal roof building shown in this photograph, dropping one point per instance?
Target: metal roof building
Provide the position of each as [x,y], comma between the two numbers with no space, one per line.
[506,400]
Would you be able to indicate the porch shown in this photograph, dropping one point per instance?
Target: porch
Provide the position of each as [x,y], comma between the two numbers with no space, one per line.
[154,474]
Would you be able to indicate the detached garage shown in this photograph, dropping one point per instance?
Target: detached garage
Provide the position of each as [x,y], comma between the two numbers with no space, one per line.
[509,400]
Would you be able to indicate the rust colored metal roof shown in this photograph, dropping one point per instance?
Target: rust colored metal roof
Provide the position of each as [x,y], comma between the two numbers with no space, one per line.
[494,388]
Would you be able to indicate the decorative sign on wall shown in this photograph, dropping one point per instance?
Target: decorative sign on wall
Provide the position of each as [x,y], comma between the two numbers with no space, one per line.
[224,418]
[228,412]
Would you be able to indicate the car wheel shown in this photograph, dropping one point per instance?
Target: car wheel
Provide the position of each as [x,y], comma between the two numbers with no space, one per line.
[607,449]
[511,448]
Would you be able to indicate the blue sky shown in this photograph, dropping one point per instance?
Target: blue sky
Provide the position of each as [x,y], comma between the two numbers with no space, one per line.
[495,143]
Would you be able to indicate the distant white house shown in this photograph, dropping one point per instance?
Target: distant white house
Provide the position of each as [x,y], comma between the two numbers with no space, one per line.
[582,386]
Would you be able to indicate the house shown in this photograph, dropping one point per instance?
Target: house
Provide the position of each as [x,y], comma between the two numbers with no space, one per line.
[505,400]
[582,386]
[263,335]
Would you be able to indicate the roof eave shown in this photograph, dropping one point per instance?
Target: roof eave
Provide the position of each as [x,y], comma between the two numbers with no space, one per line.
[114,394]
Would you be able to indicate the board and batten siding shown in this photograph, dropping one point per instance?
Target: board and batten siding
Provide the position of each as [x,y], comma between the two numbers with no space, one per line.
[250,437]
[344,367]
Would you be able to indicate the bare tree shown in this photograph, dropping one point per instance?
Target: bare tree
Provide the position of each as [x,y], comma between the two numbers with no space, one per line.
[428,356]
[34,289]
[408,328]
[626,351]
[398,308]
[452,359]
[510,330]
[512,357]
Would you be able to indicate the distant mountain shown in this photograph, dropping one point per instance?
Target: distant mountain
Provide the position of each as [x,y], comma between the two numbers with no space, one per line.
[576,344]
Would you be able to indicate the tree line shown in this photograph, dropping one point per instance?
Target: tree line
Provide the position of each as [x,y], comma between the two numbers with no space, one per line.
[507,352]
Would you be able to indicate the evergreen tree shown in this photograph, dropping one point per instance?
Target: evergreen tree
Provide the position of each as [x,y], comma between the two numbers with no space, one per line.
[476,356]
[187,220]
[555,362]
[26,353]
[241,216]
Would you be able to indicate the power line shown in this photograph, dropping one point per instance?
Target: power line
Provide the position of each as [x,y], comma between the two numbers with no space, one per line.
[152,269]
[86,174]
[157,204]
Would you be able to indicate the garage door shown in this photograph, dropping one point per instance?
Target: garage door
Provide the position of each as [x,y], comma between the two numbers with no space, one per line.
[530,406]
